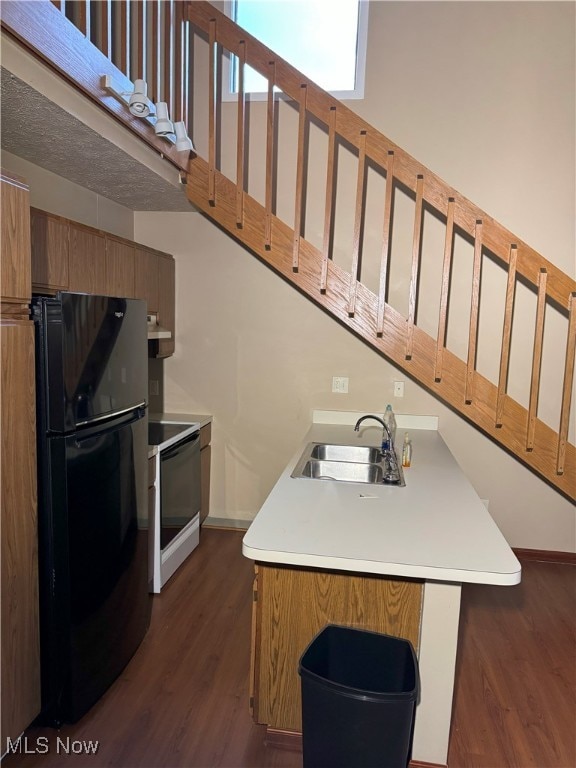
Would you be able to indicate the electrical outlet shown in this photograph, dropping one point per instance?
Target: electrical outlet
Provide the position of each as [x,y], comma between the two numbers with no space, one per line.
[398,389]
[153,388]
[340,384]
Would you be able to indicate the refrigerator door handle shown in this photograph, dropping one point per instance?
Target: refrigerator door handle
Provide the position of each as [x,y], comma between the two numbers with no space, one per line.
[114,415]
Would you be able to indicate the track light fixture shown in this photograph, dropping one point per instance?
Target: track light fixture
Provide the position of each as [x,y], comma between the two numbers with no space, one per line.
[183,141]
[139,103]
[163,125]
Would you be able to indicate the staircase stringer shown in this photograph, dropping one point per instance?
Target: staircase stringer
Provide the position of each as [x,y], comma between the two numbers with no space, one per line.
[392,344]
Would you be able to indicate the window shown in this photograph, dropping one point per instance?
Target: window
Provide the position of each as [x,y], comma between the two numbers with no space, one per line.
[325,41]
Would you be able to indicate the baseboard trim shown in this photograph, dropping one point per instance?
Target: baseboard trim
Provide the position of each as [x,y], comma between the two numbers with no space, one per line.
[279,738]
[227,523]
[545,556]
[291,741]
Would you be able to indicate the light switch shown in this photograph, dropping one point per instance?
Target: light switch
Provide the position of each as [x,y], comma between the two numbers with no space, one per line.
[340,384]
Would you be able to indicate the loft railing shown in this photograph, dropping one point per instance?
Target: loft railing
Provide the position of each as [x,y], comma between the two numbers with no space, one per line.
[179,48]
[147,40]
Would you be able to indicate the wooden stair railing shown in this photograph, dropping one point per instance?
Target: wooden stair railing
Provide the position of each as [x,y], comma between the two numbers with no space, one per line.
[157,39]
[283,246]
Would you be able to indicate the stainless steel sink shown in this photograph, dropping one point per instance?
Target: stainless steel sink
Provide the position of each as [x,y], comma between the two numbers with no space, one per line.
[349,464]
[348,471]
[358,453]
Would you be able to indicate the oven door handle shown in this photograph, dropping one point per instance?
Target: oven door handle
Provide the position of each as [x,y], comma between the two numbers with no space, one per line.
[181,445]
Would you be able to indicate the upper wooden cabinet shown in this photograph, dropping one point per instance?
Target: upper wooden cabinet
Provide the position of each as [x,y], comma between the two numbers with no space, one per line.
[50,245]
[146,277]
[15,235]
[120,268]
[166,303]
[87,260]
[69,256]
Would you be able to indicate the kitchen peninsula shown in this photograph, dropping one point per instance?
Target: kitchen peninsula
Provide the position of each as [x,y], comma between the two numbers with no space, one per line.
[384,558]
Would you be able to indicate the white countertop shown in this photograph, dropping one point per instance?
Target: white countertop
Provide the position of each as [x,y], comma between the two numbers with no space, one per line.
[181,418]
[434,528]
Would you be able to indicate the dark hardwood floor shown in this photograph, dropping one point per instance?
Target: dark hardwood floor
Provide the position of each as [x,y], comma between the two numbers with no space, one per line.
[183,699]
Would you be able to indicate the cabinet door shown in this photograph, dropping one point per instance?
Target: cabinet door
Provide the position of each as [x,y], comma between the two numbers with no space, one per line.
[205,458]
[294,604]
[166,303]
[119,268]
[87,264]
[146,277]
[50,236]
[15,233]
[20,643]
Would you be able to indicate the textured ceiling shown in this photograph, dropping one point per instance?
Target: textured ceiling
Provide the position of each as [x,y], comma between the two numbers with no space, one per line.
[36,129]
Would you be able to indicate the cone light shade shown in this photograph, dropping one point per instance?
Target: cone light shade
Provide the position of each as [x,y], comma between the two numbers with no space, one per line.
[183,141]
[163,125]
[139,104]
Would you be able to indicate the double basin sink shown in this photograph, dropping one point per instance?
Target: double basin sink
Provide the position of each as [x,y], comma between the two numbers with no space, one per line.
[349,464]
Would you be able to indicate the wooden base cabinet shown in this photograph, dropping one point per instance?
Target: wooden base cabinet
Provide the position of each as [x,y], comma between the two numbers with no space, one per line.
[291,605]
[205,459]
[20,643]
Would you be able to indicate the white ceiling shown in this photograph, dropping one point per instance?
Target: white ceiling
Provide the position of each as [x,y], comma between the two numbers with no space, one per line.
[42,132]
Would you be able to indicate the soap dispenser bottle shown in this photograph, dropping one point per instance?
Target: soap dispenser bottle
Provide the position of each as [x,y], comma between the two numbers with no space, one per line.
[406,451]
[390,421]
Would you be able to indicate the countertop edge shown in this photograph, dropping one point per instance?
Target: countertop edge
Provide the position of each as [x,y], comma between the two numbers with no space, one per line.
[371,567]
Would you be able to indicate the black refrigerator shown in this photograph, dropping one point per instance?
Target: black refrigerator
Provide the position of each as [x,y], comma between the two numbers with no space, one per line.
[91,384]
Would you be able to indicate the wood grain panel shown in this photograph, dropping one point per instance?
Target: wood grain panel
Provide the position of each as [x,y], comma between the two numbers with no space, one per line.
[19,567]
[386,243]
[270,139]
[416,251]
[166,303]
[146,277]
[300,160]
[506,335]
[120,261]
[15,279]
[205,464]
[446,270]
[205,435]
[50,248]
[87,260]
[329,204]
[567,386]
[295,604]
[358,221]
[240,140]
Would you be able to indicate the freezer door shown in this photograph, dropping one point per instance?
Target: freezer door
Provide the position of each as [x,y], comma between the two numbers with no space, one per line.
[95,533]
[93,357]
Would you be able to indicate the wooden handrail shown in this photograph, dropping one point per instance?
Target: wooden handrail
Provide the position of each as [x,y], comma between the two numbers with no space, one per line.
[154,42]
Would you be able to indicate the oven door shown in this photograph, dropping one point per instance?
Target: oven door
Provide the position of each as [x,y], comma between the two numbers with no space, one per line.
[179,488]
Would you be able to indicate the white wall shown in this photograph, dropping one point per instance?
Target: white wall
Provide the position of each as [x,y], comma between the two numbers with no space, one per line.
[481,93]
[53,193]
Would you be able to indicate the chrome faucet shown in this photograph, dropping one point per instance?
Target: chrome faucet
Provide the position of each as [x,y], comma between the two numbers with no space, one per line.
[392,473]
[385,431]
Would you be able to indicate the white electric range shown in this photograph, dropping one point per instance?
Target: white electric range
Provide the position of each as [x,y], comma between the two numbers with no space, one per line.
[176,519]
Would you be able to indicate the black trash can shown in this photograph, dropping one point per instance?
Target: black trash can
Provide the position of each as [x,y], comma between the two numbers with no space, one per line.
[359,692]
